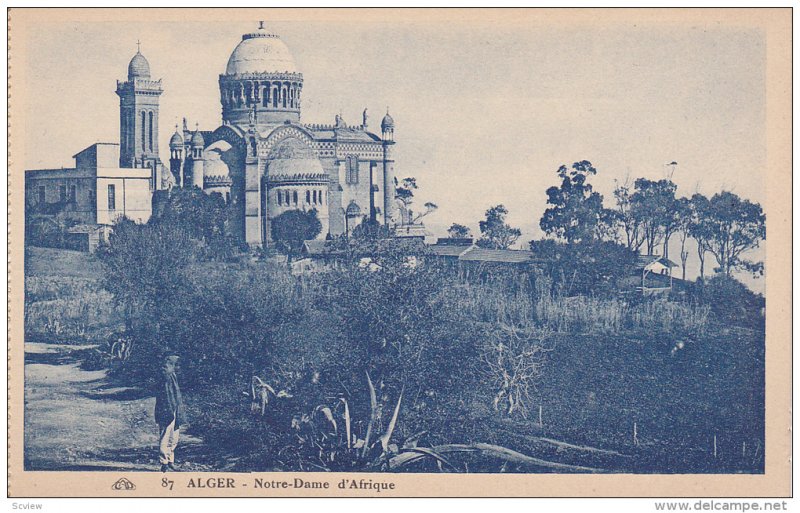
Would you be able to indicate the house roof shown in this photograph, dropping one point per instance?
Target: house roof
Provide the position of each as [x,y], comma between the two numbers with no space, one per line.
[510,256]
[448,250]
[643,261]
[316,248]
[472,253]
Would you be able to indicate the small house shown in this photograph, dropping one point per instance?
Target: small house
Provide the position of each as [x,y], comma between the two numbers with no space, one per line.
[655,272]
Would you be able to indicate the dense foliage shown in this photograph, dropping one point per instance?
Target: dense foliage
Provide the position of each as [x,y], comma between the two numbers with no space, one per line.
[293,227]
[405,349]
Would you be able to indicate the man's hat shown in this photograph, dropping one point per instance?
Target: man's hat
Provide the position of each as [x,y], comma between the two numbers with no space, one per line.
[173,358]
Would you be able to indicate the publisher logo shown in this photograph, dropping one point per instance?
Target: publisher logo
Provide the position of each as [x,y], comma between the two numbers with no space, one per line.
[123,484]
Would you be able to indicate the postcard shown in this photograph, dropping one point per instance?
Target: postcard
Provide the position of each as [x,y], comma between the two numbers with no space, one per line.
[400,252]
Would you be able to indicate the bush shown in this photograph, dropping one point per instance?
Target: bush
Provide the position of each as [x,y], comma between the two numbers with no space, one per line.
[589,268]
[731,302]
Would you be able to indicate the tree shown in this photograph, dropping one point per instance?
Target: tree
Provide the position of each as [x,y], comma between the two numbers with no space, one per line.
[629,223]
[458,231]
[593,267]
[143,265]
[293,227]
[699,229]
[653,204]
[202,216]
[495,232]
[683,212]
[734,226]
[370,229]
[577,211]
[404,191]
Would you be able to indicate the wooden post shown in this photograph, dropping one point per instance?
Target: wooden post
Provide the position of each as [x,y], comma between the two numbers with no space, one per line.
[540,415]
[744,449]
[715,446]
[635,435]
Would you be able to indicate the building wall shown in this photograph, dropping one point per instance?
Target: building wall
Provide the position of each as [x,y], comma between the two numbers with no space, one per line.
[132,195]
[276,207]
[98,155]
[84,207]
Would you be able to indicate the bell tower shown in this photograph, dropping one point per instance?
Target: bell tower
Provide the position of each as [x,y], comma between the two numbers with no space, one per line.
[138,116]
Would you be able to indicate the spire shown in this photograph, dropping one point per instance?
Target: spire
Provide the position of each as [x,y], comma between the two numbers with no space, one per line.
[138,46]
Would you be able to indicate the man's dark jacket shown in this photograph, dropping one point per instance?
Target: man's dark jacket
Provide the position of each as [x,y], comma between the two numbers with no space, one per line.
[169,403]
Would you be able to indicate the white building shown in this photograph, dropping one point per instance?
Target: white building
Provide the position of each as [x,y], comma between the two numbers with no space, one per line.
[93,194]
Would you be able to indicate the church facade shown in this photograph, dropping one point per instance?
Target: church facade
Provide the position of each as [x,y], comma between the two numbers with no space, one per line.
[262,159]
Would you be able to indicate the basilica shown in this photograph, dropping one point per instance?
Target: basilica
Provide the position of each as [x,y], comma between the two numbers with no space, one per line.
[262,159]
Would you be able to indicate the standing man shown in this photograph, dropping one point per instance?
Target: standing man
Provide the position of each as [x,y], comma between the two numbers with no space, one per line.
[170,414]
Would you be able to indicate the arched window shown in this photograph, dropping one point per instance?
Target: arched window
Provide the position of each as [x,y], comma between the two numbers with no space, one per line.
[315,197]
[144,129]
[150,132]
[280,198]
[308,196]
[294,197]
[275,97]
[352,169]
[265,96]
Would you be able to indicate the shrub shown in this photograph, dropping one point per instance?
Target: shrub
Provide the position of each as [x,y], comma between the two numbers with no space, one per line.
[731,302]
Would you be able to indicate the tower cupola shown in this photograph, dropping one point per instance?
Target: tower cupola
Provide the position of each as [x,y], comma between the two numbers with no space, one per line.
[138,67]
[176,141]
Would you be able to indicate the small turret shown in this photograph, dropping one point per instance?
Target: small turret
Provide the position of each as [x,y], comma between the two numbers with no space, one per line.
[176,141]
[176,156]
[197,140]
[387,126]
[198,143]
[389,210]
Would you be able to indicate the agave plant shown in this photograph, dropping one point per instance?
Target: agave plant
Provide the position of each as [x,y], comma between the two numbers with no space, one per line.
[259,395]
[330,433]
[328,441]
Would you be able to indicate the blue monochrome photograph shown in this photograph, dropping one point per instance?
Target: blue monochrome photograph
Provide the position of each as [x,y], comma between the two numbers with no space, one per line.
[389,247]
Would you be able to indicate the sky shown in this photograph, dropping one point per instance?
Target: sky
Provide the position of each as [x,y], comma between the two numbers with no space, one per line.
[485,112]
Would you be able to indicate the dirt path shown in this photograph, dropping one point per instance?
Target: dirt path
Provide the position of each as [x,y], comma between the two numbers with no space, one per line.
[75,421]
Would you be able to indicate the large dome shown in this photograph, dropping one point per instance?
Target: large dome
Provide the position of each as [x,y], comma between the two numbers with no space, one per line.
[261,52]
[293,157]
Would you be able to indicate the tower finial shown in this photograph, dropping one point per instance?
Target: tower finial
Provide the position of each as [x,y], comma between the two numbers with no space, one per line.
[260,25]
[138,46]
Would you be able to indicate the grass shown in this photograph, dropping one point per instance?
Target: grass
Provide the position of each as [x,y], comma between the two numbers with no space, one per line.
[64,299]
[581,314]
